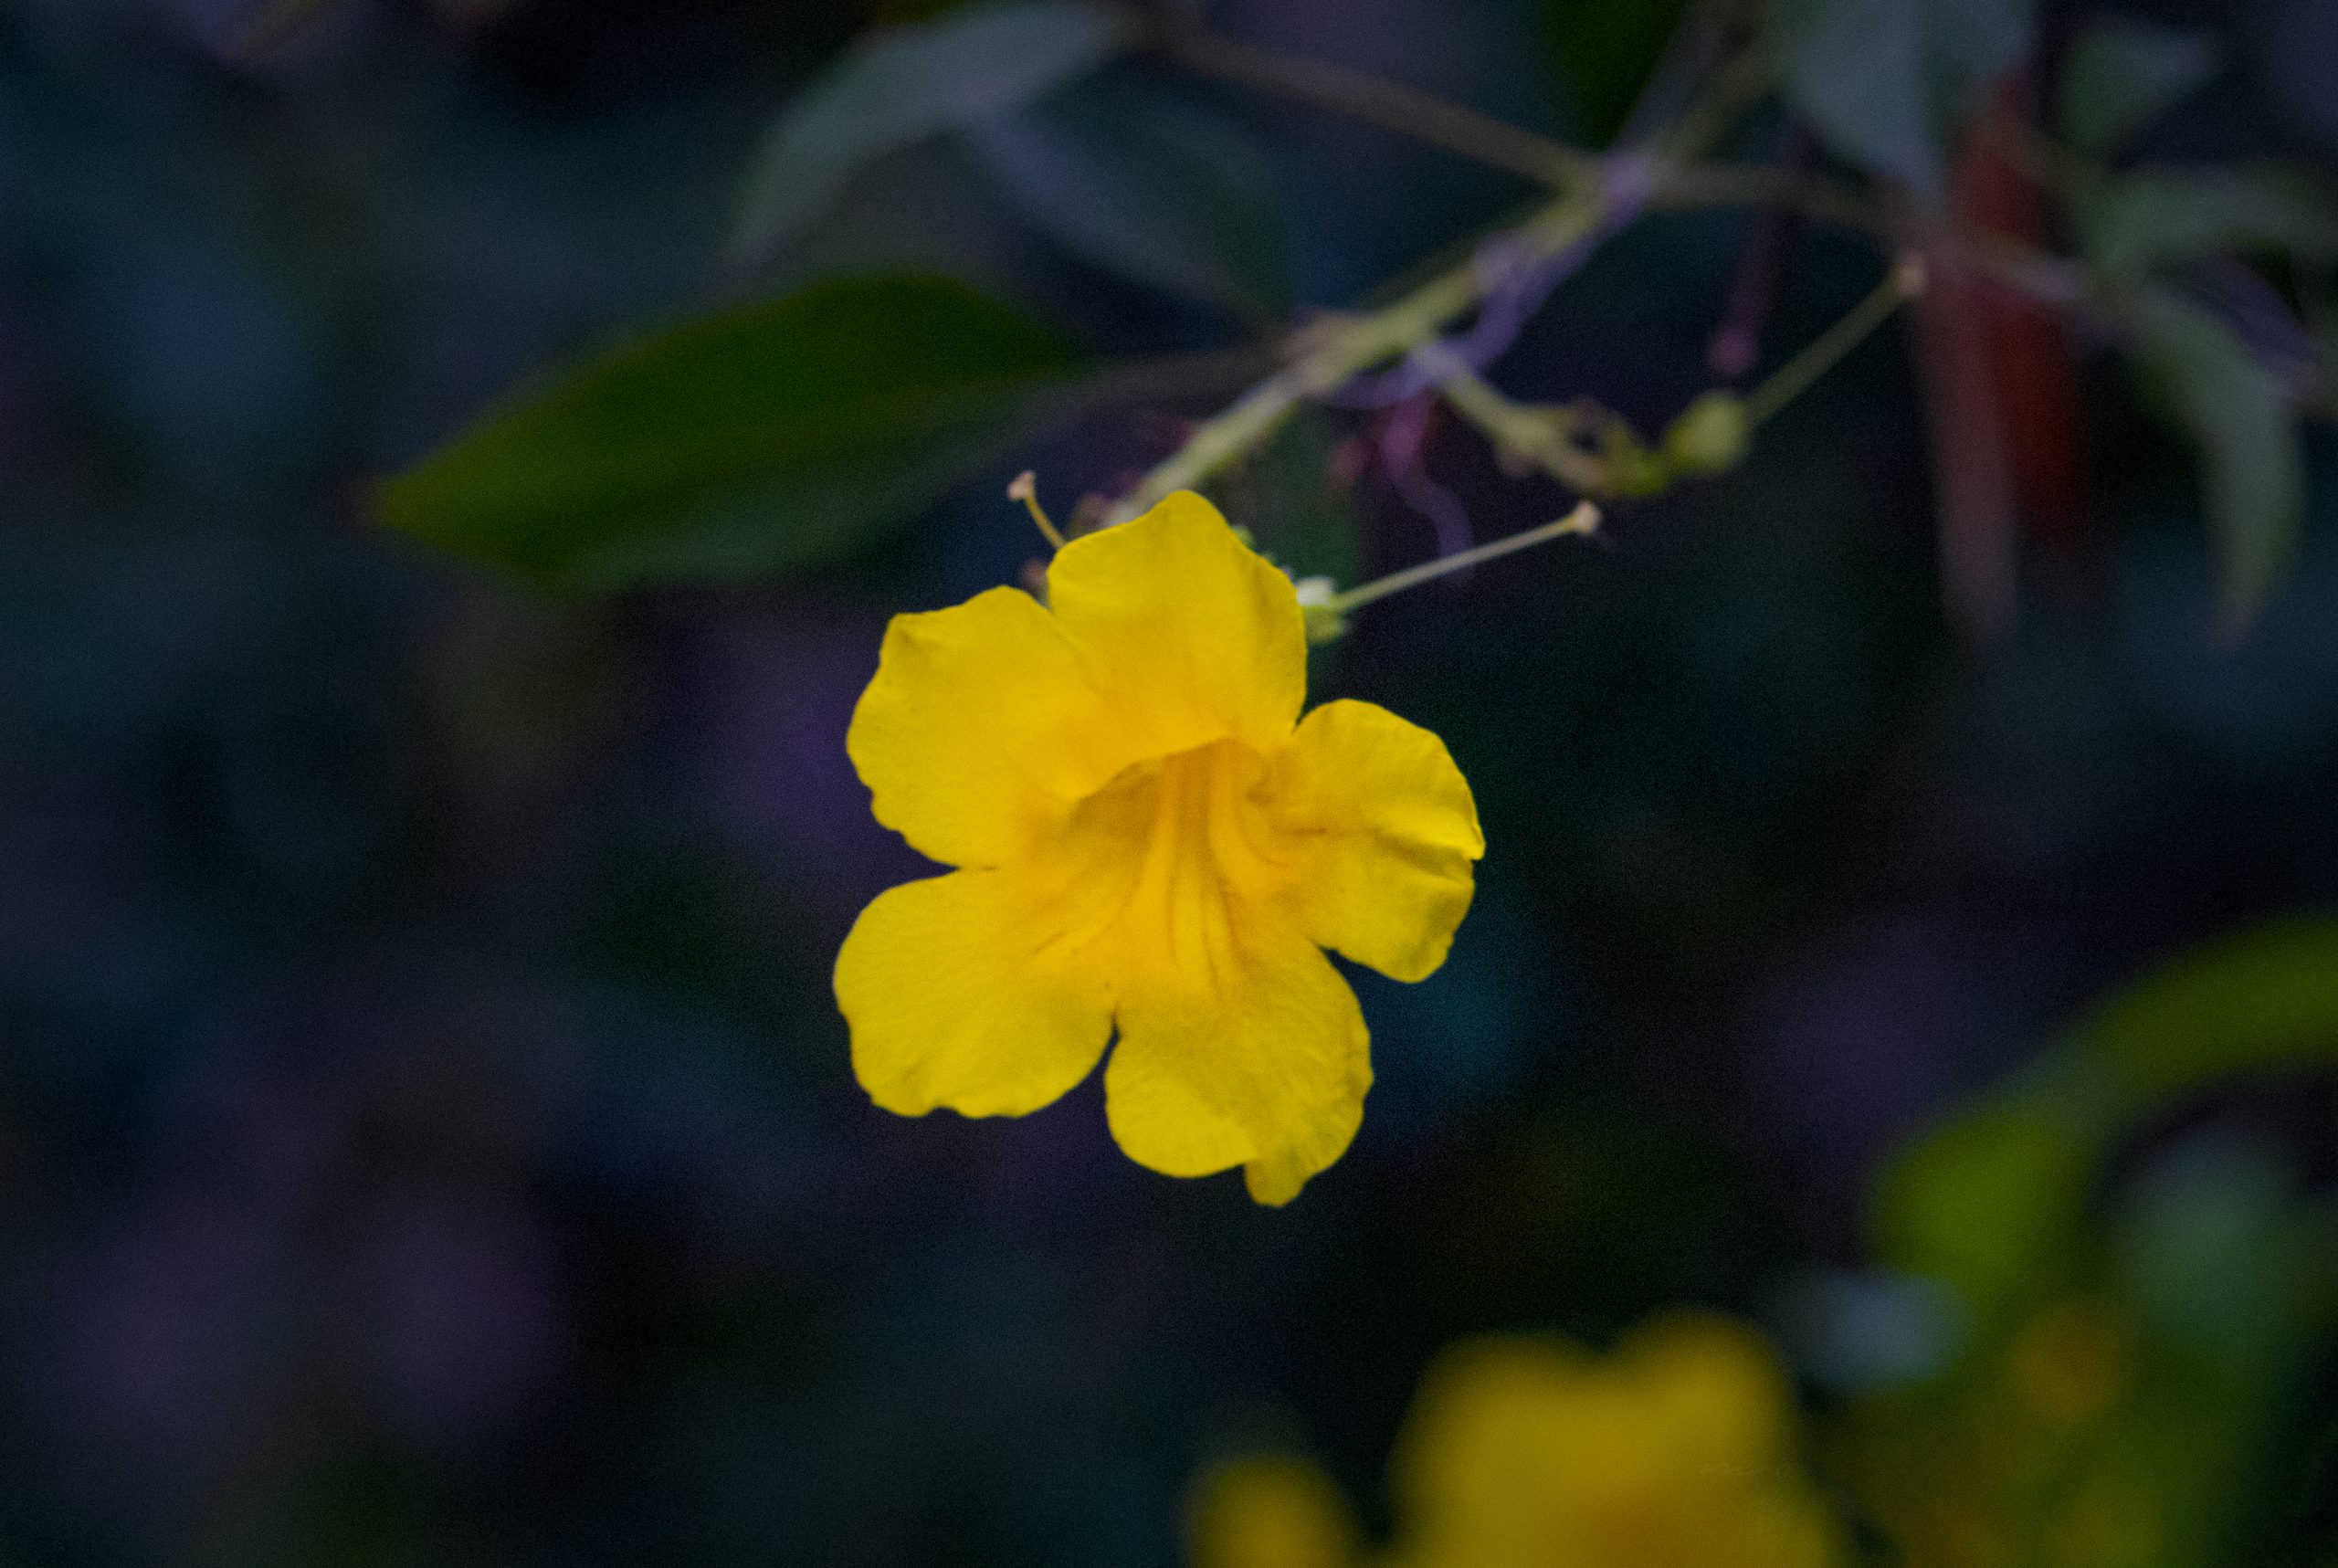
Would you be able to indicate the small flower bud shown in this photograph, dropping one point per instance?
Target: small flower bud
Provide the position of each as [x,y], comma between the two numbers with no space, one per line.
[1710,437]
[1634,471]
[1318,607]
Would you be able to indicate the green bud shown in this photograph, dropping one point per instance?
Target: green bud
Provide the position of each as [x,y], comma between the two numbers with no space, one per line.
[1634,471]
[1710,437]
[1631,469]
[1318,608]
[1324,626]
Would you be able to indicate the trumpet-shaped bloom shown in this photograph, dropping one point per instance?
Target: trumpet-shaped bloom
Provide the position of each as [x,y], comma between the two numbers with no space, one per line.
[1150,840]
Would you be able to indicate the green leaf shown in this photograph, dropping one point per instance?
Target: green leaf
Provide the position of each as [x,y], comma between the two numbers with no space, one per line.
[1888,82]
[2264,999]
[1155,191]
[2202,1251]
[902,86]
[2123,72]
[2237,411]
[1990,1199]
[1984,1201]
[2169,217]
[741,444]
[1607,50]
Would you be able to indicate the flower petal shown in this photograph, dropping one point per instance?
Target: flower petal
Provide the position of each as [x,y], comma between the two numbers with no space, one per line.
[1190,634]
[1717,1388]
[1268,1511]
[1394,831]
[1262,1063]
[979,728]
[954,999]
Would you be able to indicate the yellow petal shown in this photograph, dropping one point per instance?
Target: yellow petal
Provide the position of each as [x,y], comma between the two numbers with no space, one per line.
[957,997]
[1255,1055]
[979,730]
[1480,1448]
[1675,1450]
[1717,1388]
[1188,633]
[1267,1512]
[1394,831]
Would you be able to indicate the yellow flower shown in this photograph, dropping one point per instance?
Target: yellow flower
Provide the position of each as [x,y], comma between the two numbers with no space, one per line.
[1268,1511]
[1676,1451]
[1148,838]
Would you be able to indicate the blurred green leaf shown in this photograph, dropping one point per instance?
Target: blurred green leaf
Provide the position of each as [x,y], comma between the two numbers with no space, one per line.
[1984,1201]
[1888,82]
[901,86]
[2264,998]
[2220,1264]
[2207,1250]
[740,443]
[1607,50]
[2123,72]
[2168,217]
[1991,1199]
[1155,191]
[2237,411]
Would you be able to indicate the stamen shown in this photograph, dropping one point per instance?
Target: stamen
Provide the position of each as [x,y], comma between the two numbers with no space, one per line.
[1583,520]
[1025,488]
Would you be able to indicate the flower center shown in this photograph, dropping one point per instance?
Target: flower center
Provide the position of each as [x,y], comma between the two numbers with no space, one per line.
[1173,864]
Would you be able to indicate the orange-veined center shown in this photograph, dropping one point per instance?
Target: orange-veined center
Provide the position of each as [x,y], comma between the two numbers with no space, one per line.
[1165,873]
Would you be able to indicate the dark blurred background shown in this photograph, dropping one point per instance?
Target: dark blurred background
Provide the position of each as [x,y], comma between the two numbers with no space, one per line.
[425,1132]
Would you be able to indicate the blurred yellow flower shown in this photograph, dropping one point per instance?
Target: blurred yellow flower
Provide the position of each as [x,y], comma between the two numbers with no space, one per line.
[1148,837]
[1676,1451]
[1269,1512]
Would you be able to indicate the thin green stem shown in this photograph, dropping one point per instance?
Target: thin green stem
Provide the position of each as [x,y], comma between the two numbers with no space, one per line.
[1338,354]
[1794,378]
[2042,275]
[1583,520]
[1528,435]
[1737,86]
[1377,101]
[1813,196]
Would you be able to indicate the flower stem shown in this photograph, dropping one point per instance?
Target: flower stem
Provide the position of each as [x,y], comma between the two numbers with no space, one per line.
[1594,193]
[1341,354]
[1395,105]
[1791,380]
[1583,520]
[1520,434]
